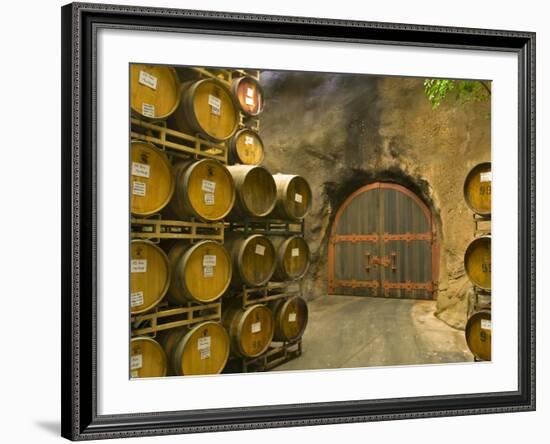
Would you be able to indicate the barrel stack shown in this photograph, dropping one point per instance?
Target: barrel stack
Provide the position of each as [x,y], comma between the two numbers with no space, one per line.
[216,240]
[477,261]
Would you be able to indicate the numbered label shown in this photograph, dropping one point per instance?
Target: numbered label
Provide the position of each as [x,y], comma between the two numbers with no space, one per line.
[136,299]
[207,272]
[249,101]
[260,249]
[209,199]
[215,105]
[148,110]
[139,188]
[295,252]
[256,327]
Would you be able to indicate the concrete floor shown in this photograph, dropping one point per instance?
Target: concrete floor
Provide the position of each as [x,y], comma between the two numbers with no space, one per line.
[350,331]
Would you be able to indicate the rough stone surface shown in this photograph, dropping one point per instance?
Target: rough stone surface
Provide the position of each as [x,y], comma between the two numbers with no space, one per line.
[343,131]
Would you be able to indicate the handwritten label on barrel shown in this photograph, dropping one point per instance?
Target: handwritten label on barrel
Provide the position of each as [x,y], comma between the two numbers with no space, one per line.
[134,374]
[295,252]
[248,140]
[209,199]
[139,188]
[209,260]
[208,185]
[140,169]
[256,327]
[486,324]
[203,346]
[215,105]
[298,198]
[138,266]
[250,92]
[292,317]
[136,361]
[486,177]
[136,299]
[148,110]
[207,272]
[148,80]
[260,249]
[249,101]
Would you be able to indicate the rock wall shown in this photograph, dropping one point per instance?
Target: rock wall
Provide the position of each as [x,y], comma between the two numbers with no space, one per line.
[344,131]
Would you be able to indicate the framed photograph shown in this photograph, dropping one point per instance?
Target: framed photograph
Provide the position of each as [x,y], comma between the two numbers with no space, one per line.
[280,221]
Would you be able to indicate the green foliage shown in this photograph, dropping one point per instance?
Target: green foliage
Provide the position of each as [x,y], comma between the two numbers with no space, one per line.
[463,91]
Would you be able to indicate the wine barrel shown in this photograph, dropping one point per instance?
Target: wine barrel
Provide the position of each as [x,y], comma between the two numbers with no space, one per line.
[147,358]
[248,94]
[255,191]
[203,190]
[149,275]
[250,329]
[154,91]
[293,197]
[246,147]
[152,181]
[253,259]
[477,262]
[292,257]
[477,189]
[290,318]
[201,272]
[206,108]
[202,349]
[478,334]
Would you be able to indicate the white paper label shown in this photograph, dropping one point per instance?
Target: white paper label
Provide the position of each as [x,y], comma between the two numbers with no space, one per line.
[136,299]
[209,260]
[207,272]
[138,266]
[148,110]
[205,353]
[250,92]
[248,140]
[208,185]
[134,374]
[295,252]
[204,342]
[140,169]
[256,327]
[486,324]
[147,79]
[249,101]
[260,249]
[486,177]
[215,105]
[292,317]
[139,188]
[298,198]
[209,199]
[136,362]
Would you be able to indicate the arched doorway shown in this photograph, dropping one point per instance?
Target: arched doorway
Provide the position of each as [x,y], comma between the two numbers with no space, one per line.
[383,243]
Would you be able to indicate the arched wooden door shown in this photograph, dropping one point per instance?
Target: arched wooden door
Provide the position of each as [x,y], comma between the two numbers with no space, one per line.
[383,243]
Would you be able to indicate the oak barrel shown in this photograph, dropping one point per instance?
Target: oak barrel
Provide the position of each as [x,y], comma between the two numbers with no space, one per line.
[255,191]
[246,147]
[147,358]
[149,275]
[291,317]
[477,262]
[204,190]
[202,349]
[154,91]
[206,108]
[293,197]
[478,334]
[292,257]
[201,272]
[152,181]
[250,329]
[477,189]
[248,94]
[253,258]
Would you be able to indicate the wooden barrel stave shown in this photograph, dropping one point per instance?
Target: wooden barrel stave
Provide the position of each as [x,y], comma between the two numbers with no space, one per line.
[147,358]
[201,272]
[255,191]
[202,349]
[291,316]
[477,262]
[293,197]
[292,257]
[477,189]
[478,334]
[246,147]
[154,91]
[149,276]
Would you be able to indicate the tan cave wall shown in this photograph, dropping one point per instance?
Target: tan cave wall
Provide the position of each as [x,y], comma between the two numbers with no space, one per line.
[344,131]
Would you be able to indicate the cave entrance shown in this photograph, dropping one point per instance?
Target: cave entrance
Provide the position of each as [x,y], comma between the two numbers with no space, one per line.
[383,243]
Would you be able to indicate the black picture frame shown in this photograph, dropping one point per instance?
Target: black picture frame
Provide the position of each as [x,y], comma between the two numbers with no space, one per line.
[79,390]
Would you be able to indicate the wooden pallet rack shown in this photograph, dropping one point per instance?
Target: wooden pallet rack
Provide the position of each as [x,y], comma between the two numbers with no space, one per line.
[266,226]
[226,75]
[277,354]
[268,293]
[176,142]
[157,228]
[167,317]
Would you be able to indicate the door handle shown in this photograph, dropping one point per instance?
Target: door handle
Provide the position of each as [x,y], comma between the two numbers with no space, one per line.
[393,261]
